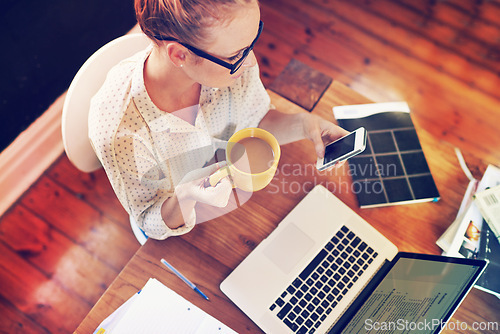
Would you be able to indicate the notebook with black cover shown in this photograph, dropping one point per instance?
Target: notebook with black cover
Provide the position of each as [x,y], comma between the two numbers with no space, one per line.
[392,169]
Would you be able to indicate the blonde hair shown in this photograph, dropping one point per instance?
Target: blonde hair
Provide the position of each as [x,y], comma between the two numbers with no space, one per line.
[183,20]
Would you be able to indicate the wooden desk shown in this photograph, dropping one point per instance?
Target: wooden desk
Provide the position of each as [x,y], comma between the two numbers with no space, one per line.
[211,250]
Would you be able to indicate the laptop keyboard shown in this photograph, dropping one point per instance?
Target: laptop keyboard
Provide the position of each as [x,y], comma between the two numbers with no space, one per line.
[305,304]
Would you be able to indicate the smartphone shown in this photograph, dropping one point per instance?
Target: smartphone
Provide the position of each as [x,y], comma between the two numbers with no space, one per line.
[343,149]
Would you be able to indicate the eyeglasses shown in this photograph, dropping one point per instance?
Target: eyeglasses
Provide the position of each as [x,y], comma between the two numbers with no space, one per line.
[241,56]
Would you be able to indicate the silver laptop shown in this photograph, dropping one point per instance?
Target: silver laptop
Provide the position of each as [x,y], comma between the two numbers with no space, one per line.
[326,270]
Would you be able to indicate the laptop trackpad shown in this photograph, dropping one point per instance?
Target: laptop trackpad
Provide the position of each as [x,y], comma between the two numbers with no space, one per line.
[288,248]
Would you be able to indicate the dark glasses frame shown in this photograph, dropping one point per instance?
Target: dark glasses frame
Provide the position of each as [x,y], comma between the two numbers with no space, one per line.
[232,67]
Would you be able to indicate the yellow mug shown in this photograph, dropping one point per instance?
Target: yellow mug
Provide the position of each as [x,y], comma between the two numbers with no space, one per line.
[246,179]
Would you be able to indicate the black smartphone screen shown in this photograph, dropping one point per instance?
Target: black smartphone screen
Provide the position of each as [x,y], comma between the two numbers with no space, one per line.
[339,148]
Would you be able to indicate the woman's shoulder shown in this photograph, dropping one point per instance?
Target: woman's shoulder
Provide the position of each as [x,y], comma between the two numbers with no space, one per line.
[118,80]
[108,105]
[125,68]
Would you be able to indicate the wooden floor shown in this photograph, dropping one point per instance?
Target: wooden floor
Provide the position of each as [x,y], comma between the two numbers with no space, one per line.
[67,238]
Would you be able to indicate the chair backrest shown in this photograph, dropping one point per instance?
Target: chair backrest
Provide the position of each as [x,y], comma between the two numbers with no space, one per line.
[85,84]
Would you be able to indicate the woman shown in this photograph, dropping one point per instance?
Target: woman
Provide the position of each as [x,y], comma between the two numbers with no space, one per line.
[159,114]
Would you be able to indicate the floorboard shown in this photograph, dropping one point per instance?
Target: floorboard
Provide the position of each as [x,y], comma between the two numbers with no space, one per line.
[61,245]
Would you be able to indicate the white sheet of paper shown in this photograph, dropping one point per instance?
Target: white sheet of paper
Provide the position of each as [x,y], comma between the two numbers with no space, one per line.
[158,309]
[491,178]
[488,202]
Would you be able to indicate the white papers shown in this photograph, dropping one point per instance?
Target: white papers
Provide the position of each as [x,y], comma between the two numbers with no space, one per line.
[364,110]
[468,236]
[110,322]
[446,239]
[488,202]
[461,236]
[157,309]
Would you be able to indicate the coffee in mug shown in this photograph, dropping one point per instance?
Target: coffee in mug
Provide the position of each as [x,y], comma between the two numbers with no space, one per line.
[252,155]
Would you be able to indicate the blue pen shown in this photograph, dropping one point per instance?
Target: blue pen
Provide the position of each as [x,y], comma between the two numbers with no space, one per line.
[188,282]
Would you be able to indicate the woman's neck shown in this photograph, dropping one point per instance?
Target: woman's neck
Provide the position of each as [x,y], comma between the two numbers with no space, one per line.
[167,85]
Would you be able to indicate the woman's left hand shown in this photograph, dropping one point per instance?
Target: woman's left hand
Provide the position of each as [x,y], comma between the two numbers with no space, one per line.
[321,132]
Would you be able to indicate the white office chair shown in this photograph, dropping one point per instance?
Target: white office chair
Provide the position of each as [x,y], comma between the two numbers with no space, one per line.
[75,111]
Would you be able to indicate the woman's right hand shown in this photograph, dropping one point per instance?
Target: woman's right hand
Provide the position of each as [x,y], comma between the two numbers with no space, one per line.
[193,187]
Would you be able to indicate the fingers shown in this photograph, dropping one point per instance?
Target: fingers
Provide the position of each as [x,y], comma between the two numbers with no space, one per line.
[202,173]
[315,136]
[323,132]
[335,166]
[218,195]
[332,132]
[340,164]
[210,169]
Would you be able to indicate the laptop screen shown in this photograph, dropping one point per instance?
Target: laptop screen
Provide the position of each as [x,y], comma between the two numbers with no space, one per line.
[419,293]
